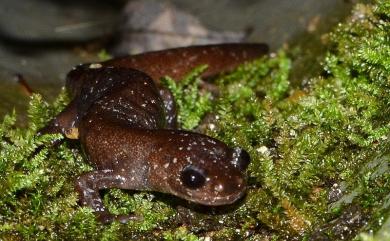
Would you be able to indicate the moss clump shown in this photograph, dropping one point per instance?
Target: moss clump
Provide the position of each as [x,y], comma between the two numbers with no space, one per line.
[193,105]
[320,154]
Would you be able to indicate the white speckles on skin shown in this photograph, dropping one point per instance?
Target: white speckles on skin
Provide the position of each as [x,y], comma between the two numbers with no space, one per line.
[119,177]
[100,209]
[155,166]
[218,188]
[174,160]
[233,54]
[180,148]
[166,165]
[211,141]
[193,58]
[189,148]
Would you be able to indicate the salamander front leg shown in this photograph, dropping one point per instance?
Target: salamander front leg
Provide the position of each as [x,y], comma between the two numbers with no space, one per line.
[66,122]
[88,186]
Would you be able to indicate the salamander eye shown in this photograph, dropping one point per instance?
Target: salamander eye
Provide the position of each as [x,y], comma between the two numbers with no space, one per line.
[192,177]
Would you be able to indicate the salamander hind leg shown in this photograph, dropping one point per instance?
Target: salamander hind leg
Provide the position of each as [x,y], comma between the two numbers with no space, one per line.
[88,185]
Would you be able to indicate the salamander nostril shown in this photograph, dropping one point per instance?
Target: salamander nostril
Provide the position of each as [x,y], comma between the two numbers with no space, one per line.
[241,158]
[244,160]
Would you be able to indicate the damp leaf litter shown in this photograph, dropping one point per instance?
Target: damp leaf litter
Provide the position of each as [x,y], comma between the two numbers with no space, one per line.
[320,153]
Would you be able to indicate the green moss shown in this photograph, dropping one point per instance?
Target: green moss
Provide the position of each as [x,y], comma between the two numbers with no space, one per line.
[103,55]
[192,103]
[180,234]
[306,144]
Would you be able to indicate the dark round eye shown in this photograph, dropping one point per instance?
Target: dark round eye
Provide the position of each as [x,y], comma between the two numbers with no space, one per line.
[241,158]
[192,177]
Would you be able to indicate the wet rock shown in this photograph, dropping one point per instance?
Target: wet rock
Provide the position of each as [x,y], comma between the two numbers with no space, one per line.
[65,21]
[38,39]
[154,25]
[273,22]
[345,227]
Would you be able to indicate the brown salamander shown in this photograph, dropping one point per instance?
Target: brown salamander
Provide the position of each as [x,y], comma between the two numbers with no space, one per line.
[126,124]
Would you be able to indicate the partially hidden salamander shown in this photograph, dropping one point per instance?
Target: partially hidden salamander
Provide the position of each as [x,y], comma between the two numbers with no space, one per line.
[126,124]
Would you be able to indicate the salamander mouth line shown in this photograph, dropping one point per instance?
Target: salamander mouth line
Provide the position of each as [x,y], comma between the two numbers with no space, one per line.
[216,200]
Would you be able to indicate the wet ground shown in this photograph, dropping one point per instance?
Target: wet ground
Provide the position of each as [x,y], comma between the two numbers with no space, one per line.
[43,39]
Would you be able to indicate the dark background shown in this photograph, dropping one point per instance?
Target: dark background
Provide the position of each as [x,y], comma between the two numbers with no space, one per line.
[43,39]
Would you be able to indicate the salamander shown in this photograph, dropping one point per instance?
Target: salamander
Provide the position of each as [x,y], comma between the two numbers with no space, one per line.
[126,124]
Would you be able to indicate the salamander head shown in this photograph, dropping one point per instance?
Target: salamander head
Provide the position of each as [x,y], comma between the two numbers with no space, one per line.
[204,170]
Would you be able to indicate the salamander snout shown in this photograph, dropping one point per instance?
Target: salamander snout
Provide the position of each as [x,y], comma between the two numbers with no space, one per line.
[229,186]
[241,158]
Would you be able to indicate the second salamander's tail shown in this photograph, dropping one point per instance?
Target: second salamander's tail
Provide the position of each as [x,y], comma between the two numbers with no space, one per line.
[177,62]
[180,61]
